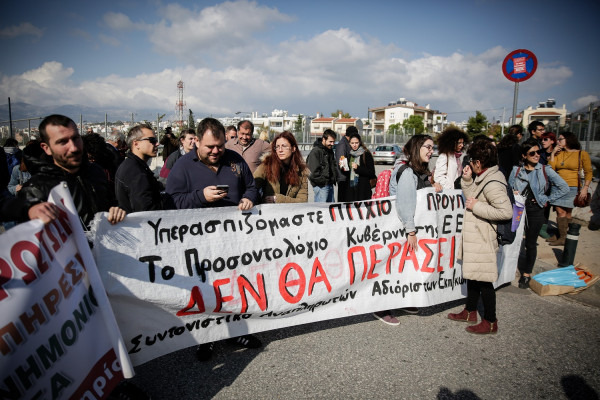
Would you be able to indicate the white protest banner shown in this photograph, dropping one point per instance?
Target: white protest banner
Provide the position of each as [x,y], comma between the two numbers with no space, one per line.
[182,277]
[55,340]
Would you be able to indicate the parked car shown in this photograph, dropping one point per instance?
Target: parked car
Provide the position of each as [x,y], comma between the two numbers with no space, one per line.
[387,154]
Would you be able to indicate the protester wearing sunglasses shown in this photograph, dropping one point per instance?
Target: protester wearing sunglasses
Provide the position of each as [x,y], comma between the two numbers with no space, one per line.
[548,143]
[539,185]
[136,188]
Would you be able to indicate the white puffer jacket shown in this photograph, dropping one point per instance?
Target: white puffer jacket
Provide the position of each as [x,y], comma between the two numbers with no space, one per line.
[479,243]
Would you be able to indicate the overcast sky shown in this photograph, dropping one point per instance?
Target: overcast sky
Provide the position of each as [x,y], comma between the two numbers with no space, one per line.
[300,56]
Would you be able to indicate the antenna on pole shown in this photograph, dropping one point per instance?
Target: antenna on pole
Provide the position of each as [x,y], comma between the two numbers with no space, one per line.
[179,105]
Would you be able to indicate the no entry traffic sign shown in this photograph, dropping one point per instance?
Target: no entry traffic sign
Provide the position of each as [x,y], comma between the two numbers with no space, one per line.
[519,65]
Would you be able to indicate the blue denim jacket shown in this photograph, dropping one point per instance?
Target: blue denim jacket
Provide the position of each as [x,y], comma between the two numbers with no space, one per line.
[537,182]
[406,198]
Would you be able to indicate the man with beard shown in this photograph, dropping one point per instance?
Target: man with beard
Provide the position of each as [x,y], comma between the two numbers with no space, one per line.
[87,183]
[212,176]
[323,169]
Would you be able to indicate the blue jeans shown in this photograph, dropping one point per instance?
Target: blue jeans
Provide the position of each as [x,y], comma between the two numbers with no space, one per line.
[323,194]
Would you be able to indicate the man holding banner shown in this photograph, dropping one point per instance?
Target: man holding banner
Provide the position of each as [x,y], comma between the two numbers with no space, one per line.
[87,183]
[213,176]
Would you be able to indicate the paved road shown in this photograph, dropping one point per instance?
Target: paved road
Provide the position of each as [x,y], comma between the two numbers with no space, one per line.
[546,348]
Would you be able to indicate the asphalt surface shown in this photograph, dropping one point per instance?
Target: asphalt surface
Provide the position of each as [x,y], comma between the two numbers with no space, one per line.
[546,348]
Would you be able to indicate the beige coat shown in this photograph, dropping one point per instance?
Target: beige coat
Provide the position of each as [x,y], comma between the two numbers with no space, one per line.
[295,194]
[479,243]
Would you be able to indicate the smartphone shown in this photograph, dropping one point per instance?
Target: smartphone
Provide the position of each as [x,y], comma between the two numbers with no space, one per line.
[224,188]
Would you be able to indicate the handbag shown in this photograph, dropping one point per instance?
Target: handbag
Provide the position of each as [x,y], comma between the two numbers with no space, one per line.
[587,200]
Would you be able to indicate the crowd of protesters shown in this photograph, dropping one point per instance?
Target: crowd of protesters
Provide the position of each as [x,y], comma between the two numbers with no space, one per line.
[543,168]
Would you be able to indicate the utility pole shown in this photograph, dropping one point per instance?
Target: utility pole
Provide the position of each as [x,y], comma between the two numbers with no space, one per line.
[590,127]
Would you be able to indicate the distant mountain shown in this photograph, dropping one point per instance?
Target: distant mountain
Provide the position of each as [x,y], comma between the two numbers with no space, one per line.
[88,114]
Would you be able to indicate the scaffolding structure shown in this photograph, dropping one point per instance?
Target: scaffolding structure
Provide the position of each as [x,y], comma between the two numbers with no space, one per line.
[179,105]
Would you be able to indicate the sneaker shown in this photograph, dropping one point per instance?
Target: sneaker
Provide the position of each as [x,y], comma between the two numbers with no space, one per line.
[204,351]
[387,317]
[247,341]
[524,282]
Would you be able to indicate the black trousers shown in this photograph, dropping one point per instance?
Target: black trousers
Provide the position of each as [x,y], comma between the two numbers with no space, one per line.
[485,290]
[533,224]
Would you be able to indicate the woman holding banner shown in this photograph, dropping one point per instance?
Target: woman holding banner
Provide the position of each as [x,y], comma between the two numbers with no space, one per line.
[282,177]
[487,201]
[406,179]
[539,185]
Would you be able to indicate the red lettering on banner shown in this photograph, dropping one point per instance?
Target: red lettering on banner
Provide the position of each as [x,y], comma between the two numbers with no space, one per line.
[314,278]
[284,283]
[351,251]
[440,253]
[260,296]
[423,243]
[374,260]
[395,249]
[406,256]
[76,275]
[51,299]
[16,255]
[63,283]
[452,251]
[6,274]
[219,296]
[195,300]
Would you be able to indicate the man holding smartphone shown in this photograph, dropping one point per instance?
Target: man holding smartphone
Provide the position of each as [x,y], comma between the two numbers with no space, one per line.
[211,176]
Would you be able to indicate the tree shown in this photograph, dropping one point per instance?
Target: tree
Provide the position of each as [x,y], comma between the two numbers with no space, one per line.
[476,124]
[414,123]
[337,113]
[298,124]
[191,121]
[395,128]
[495,131]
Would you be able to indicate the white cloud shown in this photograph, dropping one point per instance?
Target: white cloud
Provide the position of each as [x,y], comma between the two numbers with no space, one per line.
[120,22]
[112,41]
[334,69]
[585,101]
[205,33]
[23,29]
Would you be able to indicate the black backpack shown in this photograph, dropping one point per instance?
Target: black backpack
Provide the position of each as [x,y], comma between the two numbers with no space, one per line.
[504,233]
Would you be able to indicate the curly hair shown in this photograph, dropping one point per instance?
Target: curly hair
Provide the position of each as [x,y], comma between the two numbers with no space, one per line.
[449,138]
[274,166]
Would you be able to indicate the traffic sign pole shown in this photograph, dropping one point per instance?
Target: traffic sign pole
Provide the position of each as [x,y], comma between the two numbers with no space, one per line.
[518,66]
[514,113]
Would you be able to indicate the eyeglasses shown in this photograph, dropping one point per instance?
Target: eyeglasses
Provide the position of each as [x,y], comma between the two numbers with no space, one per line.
[547,138]
[561,138]
[533,153]
[152,139]
[430,147]
[282,147]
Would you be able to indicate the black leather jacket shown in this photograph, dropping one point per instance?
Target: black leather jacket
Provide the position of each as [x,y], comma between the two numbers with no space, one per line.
[89,188]
[136,188]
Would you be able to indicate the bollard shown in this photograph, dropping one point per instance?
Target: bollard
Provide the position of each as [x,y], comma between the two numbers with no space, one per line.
[568,255]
